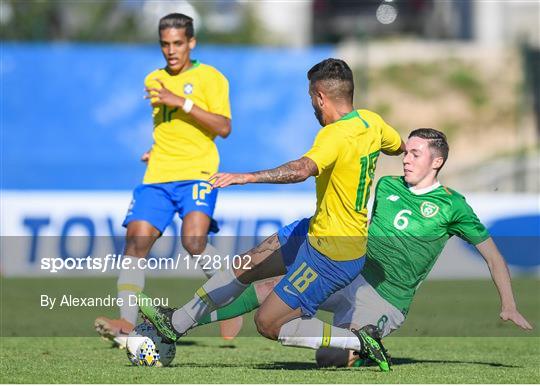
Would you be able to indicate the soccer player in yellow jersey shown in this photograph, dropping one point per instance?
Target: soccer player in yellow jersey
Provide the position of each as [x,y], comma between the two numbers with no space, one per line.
[190,102]
[318,256]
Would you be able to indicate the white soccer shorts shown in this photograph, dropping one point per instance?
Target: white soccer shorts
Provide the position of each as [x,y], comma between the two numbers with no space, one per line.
[358,305]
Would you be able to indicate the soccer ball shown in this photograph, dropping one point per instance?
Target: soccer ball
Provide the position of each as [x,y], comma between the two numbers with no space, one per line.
[145,347]
[142,352]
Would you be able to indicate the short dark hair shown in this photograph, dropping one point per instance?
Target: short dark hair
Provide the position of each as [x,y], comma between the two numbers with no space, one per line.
[177,20]
[336,76]
[436,140]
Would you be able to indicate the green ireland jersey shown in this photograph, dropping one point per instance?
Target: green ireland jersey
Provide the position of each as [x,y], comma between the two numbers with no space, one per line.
[408,232]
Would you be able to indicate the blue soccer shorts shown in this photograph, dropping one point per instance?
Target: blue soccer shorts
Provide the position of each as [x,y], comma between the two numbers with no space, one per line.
[157,203]
[311,276]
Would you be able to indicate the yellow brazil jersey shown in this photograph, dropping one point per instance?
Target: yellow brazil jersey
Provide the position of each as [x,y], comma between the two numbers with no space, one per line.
[183,149]
[346,153]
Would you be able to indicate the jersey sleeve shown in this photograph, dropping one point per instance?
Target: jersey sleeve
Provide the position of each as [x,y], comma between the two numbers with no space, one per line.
[217,94]
[391,140]
[466,225]
[325,149]
[151,82]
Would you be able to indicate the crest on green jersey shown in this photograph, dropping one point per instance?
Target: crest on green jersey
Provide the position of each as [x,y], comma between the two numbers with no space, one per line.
[428,209]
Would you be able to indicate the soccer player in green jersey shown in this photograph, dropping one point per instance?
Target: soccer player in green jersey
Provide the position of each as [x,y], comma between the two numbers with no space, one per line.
[412,219]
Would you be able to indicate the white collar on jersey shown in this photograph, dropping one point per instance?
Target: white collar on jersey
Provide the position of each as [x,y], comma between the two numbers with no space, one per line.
[424,190]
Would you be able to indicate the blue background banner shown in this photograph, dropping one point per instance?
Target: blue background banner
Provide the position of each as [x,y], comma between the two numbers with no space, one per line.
[74,118]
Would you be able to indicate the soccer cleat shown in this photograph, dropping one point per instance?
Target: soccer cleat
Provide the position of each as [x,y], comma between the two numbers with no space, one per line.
[231,327]
[372,348]
[112,328]
[361,362]
[160,317]
[365,362]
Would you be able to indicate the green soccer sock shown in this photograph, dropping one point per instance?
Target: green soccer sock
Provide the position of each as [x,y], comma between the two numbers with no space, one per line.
[243,304]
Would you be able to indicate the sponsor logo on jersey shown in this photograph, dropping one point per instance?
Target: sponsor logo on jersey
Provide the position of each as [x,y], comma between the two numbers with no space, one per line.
[200,203]
[188,89]
[428,209]
[381,323]
[392,198]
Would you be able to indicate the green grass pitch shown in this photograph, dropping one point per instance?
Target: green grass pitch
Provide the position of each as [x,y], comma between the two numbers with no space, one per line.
[452,335]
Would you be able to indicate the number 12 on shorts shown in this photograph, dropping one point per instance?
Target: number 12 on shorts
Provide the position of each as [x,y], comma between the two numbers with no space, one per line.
[200,190]
[302,277]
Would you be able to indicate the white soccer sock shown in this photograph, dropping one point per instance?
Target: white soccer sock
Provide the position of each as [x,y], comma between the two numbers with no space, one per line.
[210,251]
[217,292]
[130,281]
[313,333]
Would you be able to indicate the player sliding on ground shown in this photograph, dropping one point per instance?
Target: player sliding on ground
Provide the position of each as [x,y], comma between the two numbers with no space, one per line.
[191,108]
[413,217]
[318,256]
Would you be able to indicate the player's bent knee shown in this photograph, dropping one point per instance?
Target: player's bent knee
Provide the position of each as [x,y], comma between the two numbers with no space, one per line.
[332,357]
[266,327]
[140,237]
[138,246]
[194,245]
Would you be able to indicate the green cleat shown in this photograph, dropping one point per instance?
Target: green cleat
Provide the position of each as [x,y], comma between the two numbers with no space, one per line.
[361,362]
[372,347]
[160,317]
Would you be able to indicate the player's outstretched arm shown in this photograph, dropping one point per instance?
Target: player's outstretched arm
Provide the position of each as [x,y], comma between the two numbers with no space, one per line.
[501,278]
[288,173]
[215,123]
